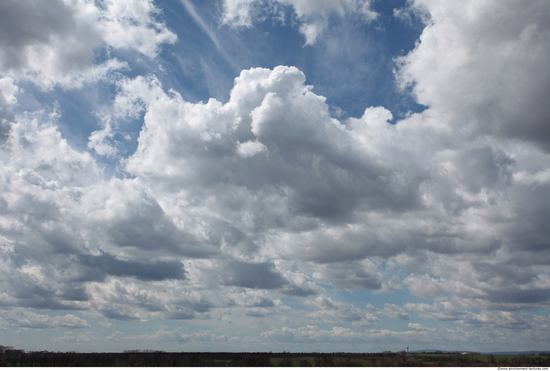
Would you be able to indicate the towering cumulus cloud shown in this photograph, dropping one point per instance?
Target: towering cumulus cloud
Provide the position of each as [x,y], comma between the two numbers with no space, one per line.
[266,219]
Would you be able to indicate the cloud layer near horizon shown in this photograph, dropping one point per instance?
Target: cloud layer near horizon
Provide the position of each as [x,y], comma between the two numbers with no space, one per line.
[228,208]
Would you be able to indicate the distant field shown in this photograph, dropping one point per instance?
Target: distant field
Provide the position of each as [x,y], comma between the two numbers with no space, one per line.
[165,359]
[473,359]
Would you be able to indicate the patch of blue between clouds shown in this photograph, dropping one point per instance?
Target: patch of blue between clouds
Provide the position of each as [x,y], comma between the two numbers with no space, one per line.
[351,66]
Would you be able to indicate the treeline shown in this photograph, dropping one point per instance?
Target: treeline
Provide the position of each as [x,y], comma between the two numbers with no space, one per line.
[160,359]
[148,359]
[466,360]
[10,357]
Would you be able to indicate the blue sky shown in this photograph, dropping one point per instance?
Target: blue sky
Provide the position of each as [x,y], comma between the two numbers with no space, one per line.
[248,175]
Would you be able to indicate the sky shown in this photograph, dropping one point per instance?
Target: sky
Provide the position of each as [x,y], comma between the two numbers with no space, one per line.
[275,175]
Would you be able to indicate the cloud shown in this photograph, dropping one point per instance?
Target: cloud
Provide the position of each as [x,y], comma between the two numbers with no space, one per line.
[314,334]
[252,275]
[8,90]
[226,208]
[299,284]
[131,25]
[180,336]
[54,43]
[28,25]
[392,311]
[473,71]
[157,271]
[328,193]
[337,313]
[251,299]
[446,311]
[36,286]
[58,162]
[99,140]
[22,319]
[193,12]
[312,15]
[124,298]
[71,337]
[333,195]
[250,148]
[425,286]
[334,165]
[354,275]
[417,327]
[129,217]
